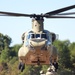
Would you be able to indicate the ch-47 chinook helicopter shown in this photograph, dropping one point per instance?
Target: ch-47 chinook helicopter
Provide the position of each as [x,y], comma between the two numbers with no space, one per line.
[37,43]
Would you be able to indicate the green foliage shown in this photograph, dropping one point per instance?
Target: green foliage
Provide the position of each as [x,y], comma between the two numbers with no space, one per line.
[5,55]
[15,49]
[14,59]
[65,72]
[1,42]
[9,58]
[5,65]
[31,70]
[45,67]
[72,50]
[64,53]
[5,41]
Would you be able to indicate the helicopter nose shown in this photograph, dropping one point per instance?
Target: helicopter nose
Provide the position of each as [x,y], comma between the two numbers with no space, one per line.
[37,42]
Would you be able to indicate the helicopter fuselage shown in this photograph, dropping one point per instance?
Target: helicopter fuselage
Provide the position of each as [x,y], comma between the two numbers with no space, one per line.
[37,45]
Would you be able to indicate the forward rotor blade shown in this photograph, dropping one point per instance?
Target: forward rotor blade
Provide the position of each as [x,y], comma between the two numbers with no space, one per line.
[72,13]
[61,17]
[61,10]
[14,14]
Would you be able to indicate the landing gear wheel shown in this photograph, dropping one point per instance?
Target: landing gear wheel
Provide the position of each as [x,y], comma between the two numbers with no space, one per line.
[21,66]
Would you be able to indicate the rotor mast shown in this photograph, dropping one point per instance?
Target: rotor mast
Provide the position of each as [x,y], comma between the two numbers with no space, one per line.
[37,24]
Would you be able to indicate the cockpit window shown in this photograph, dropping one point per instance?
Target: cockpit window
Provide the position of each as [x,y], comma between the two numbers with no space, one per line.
[32,36]
[43,36]
[37,36]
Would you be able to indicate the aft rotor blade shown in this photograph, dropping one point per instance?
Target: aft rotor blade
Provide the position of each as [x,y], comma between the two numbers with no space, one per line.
[61,10]
[61,17]
[14,14]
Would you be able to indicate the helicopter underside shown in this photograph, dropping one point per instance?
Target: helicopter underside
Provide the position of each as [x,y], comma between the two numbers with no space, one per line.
[37,57]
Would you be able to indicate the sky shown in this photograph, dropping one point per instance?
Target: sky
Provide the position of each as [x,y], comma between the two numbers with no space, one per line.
[16,26]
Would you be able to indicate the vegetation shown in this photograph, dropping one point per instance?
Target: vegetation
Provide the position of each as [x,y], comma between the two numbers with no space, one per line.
[9,60]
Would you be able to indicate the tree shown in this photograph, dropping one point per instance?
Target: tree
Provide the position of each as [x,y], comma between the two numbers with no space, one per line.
[63,53]
[5,55]
[1,42]
[72,50]
[5,41]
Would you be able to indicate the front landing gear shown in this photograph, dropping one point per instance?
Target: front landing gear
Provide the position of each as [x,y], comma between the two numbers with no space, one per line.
[21,66]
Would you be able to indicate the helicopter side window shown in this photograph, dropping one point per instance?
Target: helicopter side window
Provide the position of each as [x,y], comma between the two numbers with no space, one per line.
[43,36]
[28,36]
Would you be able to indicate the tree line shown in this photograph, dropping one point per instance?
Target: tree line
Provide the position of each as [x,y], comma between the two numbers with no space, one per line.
[9,57]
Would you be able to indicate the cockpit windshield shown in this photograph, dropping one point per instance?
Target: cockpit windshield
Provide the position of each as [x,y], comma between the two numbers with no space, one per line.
[44,36]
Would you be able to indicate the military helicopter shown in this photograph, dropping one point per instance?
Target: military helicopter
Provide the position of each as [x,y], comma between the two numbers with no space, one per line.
[37,48]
